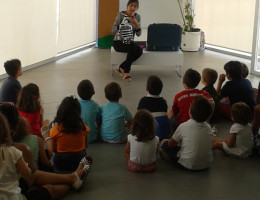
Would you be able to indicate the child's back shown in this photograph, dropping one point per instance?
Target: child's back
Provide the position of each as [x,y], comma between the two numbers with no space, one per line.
[90,113]
[237,89]
[156,105]
[114,116]
[90,110]
[183,100]
[194,137]
[29,107]
[11,87]
[244,141]
[142,144]
[196,142]
[208,79]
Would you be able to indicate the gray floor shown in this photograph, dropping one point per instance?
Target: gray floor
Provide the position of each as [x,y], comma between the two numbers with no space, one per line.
[228,178]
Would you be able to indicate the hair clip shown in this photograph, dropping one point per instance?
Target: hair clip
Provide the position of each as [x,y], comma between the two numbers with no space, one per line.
[73,96]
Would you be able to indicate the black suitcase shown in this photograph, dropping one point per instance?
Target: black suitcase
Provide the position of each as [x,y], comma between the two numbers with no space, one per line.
[164,37]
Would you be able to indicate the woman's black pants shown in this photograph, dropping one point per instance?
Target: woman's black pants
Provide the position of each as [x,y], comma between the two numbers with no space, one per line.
[133,53]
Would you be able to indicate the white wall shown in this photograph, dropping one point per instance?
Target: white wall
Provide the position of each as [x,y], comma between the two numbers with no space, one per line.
[156,11]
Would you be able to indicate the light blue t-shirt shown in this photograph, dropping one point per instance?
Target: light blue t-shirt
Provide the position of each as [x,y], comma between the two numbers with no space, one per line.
[90,113]
[113,116]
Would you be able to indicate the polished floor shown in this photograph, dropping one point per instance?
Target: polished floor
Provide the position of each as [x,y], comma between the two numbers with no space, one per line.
[109,179]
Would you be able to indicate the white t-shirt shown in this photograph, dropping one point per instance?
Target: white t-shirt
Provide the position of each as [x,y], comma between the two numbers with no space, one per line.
[244,141]
[196,143]
[143,153]
[9,186]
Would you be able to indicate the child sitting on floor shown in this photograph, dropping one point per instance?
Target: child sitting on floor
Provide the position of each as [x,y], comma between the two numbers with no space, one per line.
[115,116]
[142,145]
[68,137]
[179,112]
[11,87]
[90,110]
[29,106]
[35,144]
[240,141]
[208,79]
[237,89]
[190,145]
[156,105]
[11,164]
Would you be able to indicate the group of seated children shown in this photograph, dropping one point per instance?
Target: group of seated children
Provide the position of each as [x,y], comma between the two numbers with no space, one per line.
[182,134]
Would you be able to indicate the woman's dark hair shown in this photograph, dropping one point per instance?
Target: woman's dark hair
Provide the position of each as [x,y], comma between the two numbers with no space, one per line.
[11,114]
[144,126]
[233,68]
[241,113]
[22,130]
[113,91]
[154,85]
[5,137]
[68,116]
[29,99]
[133,1]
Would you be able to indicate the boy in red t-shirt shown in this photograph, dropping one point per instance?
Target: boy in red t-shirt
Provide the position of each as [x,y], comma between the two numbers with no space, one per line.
[179,112]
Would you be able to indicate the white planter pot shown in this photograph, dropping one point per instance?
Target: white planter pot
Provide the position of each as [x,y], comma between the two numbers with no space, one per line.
[190,41]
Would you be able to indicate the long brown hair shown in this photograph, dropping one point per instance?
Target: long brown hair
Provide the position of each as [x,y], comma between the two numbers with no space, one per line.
[29,99]
[144,126]
[5,137]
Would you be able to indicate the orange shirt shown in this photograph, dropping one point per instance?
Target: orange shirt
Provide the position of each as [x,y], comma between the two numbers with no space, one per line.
[68,142]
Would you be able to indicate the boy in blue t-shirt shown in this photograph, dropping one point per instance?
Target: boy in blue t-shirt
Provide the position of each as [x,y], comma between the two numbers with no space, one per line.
[90,110]
[115,116]
[156,105]
[11,87]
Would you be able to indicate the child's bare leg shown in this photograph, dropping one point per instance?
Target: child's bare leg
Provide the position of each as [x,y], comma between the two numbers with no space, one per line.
[217,145]
[41,178]
[57,191]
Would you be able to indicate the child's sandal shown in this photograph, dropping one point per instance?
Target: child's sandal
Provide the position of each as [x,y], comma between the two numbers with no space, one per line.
[128,79]
[87,160]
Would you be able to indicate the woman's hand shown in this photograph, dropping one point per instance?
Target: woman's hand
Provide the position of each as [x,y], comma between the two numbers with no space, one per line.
[134,21]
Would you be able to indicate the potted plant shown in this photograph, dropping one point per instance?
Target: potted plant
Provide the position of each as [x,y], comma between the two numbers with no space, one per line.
[191,35]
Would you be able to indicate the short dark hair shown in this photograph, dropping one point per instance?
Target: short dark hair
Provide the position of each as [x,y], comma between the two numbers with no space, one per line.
[191,78]
[85,89]
[209,76]
[154,85]
[113,91]
[143,126]
[233,68]
[12,66]
[200,108]
[133,1]
[244,70]
[241,113]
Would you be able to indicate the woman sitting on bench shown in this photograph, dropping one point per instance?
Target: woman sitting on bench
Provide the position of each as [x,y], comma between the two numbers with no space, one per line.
[126,25]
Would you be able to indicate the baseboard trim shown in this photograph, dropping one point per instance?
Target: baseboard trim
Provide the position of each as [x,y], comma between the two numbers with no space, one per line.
[59,56]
